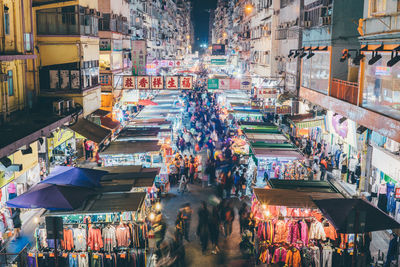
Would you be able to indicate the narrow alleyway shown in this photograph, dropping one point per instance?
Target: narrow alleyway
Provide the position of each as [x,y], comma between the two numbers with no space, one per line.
[230,254]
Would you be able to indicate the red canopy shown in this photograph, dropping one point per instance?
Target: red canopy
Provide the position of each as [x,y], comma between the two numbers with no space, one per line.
[147,102]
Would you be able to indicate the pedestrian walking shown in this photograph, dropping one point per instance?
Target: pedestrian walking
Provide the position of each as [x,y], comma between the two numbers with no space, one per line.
[203,226]
[392,250]
[214,229]
[16,219]
[243,217]
[186,212]
[229,217]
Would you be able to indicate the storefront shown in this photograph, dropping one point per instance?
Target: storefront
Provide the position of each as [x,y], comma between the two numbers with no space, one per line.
[125,153]
[61,146]
[385,177]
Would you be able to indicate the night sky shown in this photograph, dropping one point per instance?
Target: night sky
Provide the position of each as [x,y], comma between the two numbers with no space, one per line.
[200,18]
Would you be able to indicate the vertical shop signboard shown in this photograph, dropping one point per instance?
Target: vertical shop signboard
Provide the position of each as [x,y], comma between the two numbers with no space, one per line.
[397,195]
[172,82]
[213,84]
[157,82]
[139,57]
[129,82]
[143,82]
[224,84]
[187,83]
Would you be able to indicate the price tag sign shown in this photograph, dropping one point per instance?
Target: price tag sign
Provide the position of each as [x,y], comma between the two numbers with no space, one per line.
[123,256]
[51,255]
[108,256]
[95,256]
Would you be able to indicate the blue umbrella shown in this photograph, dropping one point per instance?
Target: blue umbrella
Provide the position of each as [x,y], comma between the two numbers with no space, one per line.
[51,197]
[63,175]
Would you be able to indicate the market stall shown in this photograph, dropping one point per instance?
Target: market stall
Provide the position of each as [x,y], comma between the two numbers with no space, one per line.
[110,229]
[289,225]
[123,153]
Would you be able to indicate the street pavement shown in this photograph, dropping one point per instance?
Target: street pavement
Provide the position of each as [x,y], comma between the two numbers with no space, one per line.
[230,254]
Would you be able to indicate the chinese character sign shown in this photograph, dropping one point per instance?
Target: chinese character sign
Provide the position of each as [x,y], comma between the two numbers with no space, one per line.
[157,82]
[106,80]
[186,82]
[129,82]
[139,57]
[172,82]
[143,82]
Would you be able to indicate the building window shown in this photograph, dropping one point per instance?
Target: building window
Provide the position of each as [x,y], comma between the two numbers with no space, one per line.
[10,83]
[315,72]
[6,23]
[378,6]
[382,87]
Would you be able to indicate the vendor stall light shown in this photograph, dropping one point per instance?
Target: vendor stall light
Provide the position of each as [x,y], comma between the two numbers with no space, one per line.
[393,60]
[158,206]
[267,213]
[264,206]
[375,58]
[152,216]
[36,220]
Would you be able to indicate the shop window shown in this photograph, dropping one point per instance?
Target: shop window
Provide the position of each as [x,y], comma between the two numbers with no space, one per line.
[6,23]
[382,87]
[378,6]
[10,83]
[315,72]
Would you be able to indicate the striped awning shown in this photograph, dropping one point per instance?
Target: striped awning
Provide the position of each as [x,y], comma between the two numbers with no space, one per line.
[310,124]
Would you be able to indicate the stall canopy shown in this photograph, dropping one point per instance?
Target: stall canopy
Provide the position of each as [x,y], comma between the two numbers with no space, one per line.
[109,123]
[277,153]
[291,198]
[344,213]
[107,203]
[124,178]
[131,147]
[115,202]
[147,102]
[139,132]
[51,197]
[255,123]
[91,131]
[304,185]
[100,113]
[63,175]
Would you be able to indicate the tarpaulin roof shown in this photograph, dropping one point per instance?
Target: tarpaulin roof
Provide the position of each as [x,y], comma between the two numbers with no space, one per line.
[291,198]
[91,131]
[108,203]
[109,123]
[277,153]
[63,175]
[342,214]
[136,132]
[271,138]
[255,123]
[303,185]
[115,202]
[51,197]
[101,113]
[131,147]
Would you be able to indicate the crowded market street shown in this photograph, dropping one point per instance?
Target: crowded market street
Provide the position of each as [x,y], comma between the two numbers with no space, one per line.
[186,133]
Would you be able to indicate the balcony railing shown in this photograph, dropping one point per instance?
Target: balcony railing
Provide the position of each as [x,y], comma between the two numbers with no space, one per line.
[344,90]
